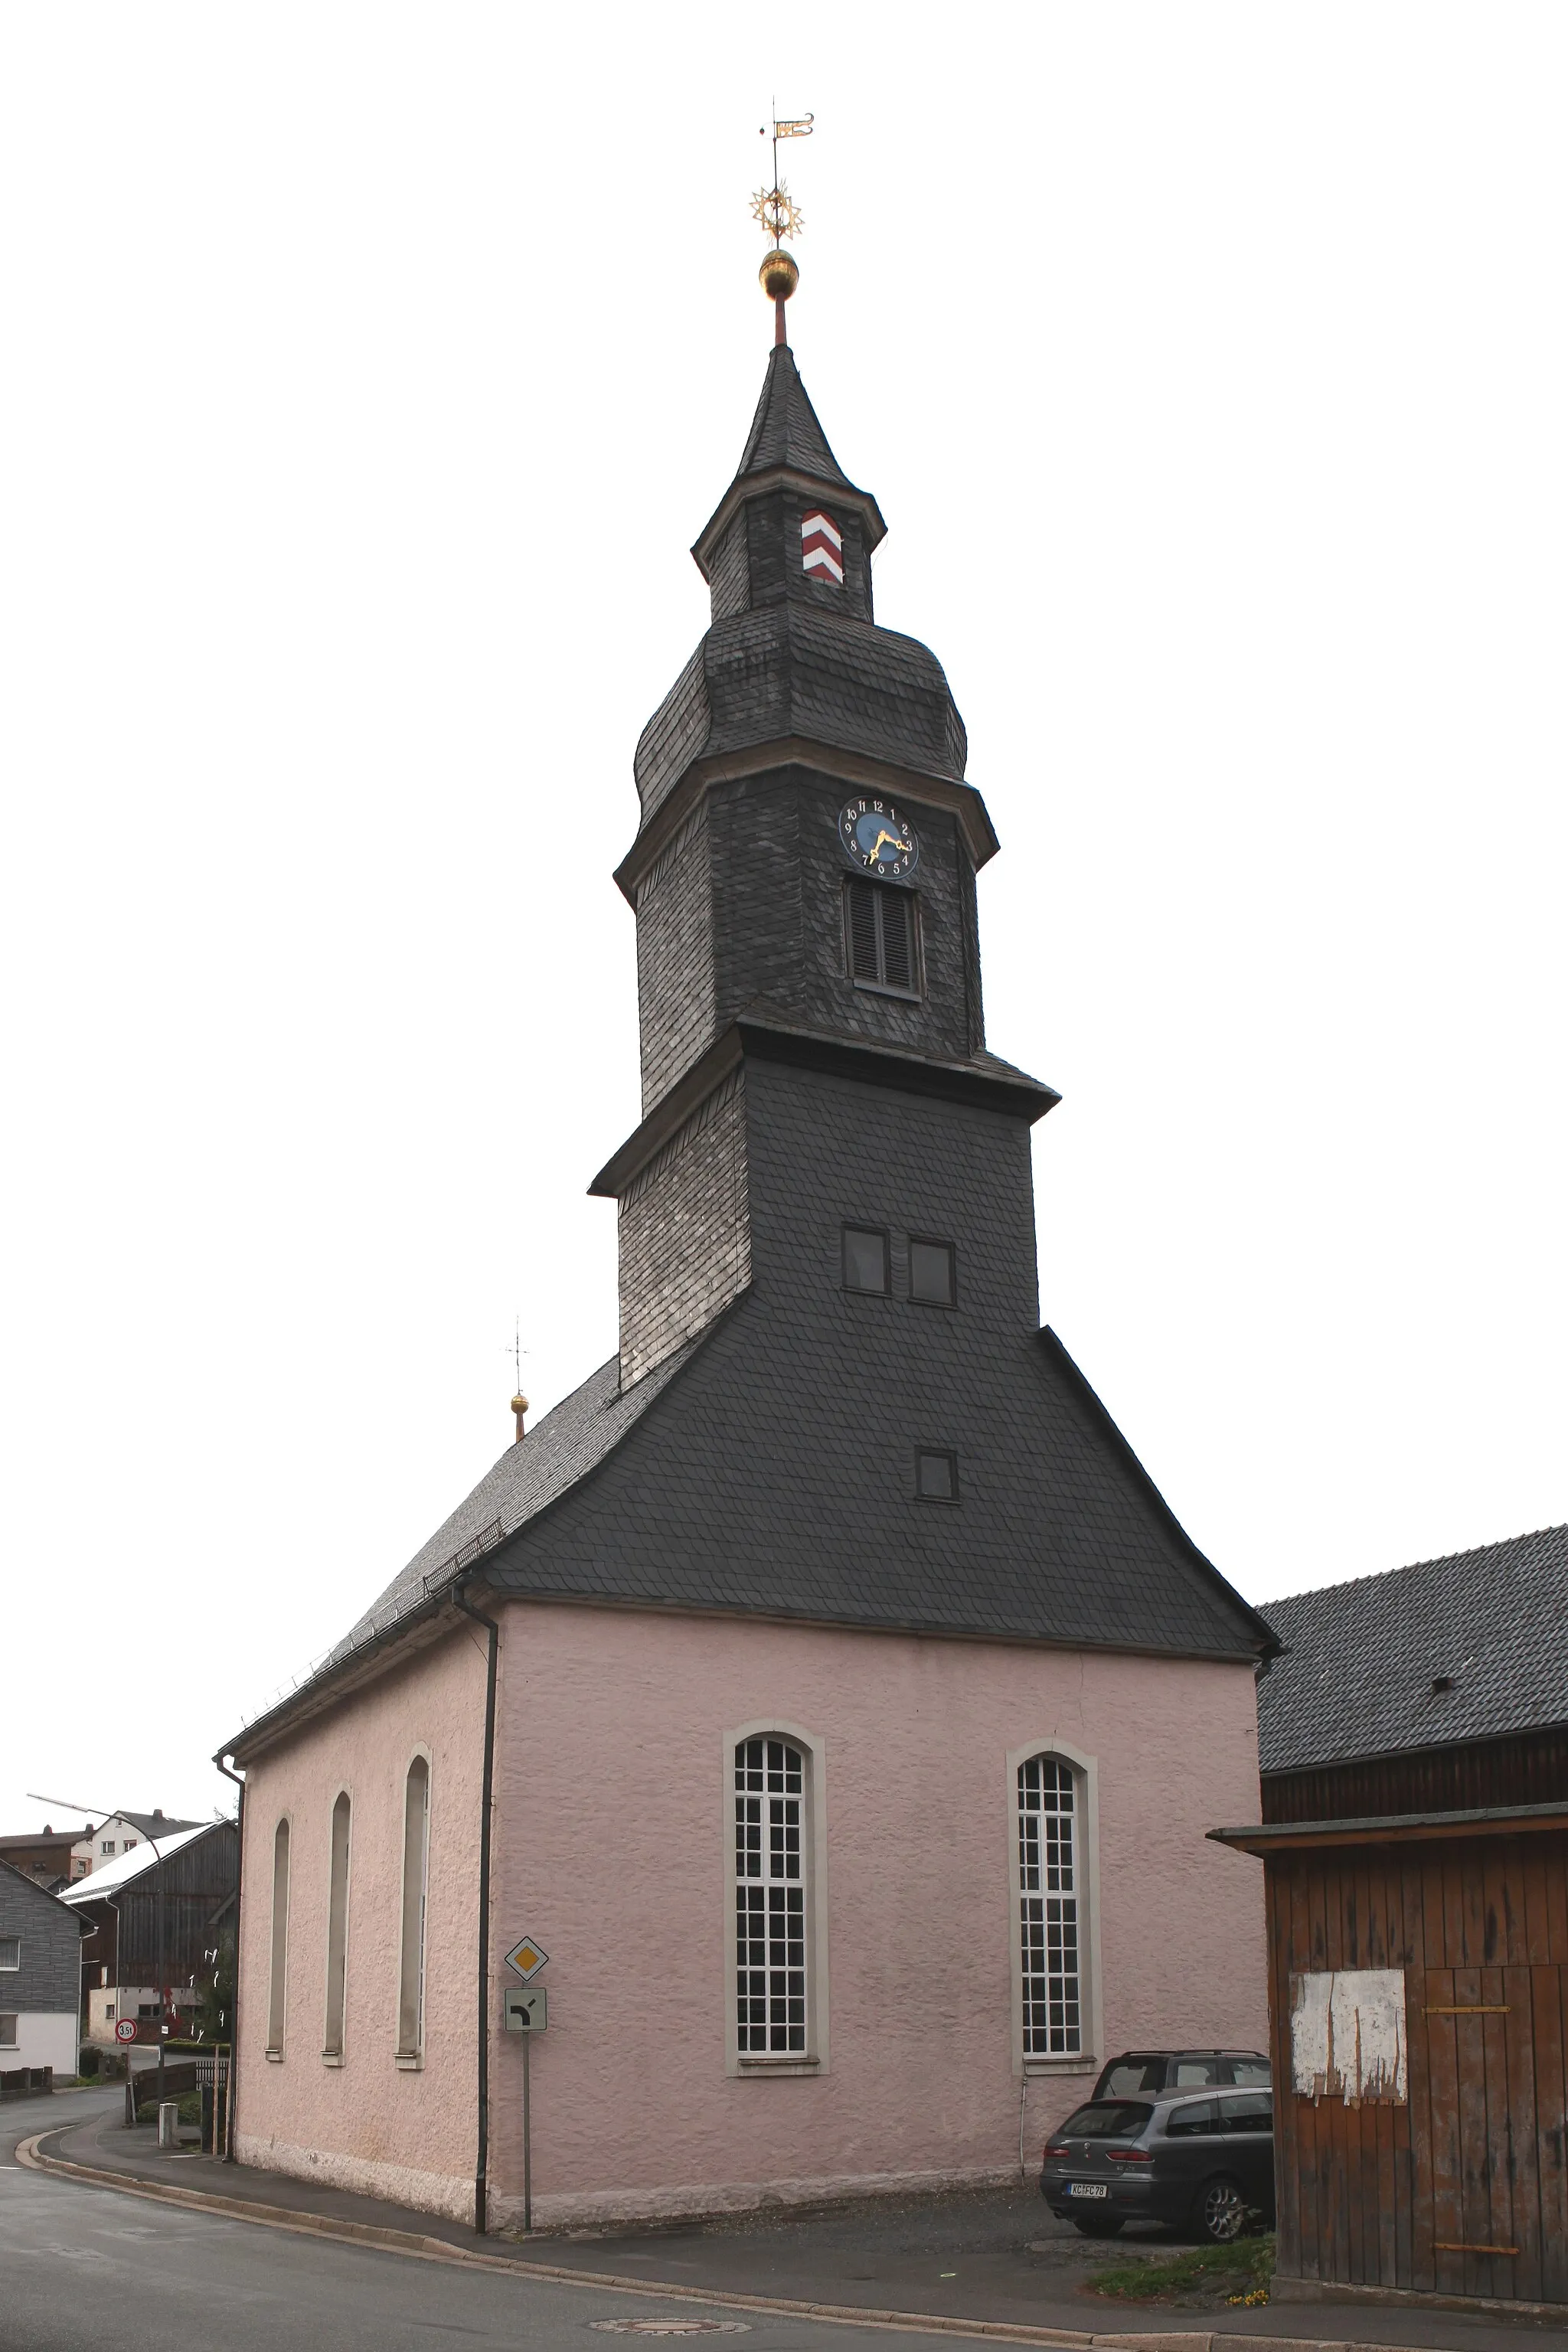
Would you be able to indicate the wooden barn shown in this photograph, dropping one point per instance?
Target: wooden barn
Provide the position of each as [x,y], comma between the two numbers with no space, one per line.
[1413,1743]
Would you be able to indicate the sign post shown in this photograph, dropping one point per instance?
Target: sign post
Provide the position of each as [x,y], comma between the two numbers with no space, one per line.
[528,2013]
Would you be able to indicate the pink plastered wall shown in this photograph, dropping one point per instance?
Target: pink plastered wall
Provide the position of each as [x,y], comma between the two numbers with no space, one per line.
[367,2124]
[614,1805]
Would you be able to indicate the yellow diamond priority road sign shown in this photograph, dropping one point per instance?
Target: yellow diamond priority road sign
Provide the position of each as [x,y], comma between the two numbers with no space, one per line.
[527,1959]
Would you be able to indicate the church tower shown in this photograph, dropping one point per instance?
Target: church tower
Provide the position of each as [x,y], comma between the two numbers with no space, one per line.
[803,876]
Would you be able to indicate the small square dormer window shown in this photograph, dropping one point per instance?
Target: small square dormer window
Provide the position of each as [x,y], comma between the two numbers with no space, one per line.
[822,547]
[882,948]
[936,1473]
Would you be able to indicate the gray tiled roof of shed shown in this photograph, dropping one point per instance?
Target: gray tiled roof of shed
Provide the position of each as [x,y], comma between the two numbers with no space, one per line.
[1360,1658]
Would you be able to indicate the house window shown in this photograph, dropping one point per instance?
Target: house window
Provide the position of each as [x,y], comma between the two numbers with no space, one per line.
[936,1475]
[129,1843]
[8,2025]
[1049,1895]
[881,926]
[770,1898]
[932,1273]
[10,1951]
[109,2012]
[278,1986]
[865,1263]
[337,1929]
[416,1872]
[108,1846]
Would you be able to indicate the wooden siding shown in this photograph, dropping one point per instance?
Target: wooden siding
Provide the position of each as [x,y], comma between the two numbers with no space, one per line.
[194,1890]
[1531,1769]
[1412,2196]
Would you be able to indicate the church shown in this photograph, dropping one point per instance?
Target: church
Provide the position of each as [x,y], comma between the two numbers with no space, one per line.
[824,1687]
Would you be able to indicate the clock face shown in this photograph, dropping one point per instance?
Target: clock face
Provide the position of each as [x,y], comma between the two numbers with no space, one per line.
[877,839]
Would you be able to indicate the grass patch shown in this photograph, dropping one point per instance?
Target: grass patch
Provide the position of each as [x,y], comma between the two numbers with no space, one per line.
[1237,2274]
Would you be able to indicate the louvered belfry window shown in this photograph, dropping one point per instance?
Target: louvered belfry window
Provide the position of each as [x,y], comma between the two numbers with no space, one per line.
[1047,1907]
[770,1898]
[881,937]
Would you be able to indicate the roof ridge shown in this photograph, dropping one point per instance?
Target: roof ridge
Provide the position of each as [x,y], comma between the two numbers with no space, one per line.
[1414,1567]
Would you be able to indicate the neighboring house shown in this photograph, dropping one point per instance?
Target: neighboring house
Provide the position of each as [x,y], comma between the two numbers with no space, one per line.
[150,1920]
[40,1977]
[50,1857]
[1414,1745]
[860,1707]
[122,1834]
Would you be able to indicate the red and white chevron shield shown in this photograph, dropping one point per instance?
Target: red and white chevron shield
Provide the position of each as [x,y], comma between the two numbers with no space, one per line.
[821,547]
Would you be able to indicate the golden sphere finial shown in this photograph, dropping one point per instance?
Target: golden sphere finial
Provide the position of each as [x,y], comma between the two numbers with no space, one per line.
[780,274]
[519,1403]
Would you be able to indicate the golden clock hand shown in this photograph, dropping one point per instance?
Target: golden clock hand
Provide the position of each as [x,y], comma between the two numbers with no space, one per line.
[882,837]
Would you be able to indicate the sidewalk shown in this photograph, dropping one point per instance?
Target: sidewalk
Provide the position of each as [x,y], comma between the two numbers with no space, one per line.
[992,2260]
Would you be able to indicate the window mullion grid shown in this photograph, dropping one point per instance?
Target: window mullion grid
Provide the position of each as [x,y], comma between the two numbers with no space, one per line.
[770,1899]
[1047,1908]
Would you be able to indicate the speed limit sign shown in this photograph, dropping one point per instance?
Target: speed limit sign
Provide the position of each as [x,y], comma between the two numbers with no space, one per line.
[125,2029]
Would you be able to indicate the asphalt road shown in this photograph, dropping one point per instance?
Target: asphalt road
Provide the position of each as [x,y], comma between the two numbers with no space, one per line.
[85,2268]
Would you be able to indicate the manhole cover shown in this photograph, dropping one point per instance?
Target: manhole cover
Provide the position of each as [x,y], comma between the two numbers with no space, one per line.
[670,2326]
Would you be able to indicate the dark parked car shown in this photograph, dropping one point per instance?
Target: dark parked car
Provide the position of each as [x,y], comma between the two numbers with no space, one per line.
[1204,2164]
[1138,2072]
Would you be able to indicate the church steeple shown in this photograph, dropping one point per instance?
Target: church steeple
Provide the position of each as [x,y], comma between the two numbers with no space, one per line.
[803,871]
[750,550]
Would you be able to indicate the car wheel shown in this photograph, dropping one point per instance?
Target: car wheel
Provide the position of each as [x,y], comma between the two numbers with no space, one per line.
[1221,2211]
[1097,2225]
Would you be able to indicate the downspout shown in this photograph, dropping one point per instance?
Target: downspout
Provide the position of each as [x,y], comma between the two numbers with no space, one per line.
[481,2167]
[233,2085]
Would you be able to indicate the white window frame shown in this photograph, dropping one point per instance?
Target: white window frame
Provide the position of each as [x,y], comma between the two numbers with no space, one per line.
[333,2051]
[410,2060]
[10,1967]
[815,2058]
[1085,1769]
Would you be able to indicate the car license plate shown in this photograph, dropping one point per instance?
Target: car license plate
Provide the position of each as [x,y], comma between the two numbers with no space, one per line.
[1088,2188]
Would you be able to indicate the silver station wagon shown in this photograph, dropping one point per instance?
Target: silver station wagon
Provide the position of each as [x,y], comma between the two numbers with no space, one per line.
[1202,2164]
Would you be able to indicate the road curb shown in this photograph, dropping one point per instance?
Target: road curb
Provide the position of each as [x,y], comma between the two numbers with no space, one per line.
[413,2244]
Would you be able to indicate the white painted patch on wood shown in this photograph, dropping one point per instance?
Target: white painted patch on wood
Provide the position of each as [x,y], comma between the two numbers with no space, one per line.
[1347,2035]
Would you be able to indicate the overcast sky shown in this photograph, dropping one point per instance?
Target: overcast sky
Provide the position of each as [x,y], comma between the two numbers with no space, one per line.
[369,371]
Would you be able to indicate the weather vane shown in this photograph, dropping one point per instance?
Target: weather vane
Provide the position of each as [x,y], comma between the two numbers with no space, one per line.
[778,216]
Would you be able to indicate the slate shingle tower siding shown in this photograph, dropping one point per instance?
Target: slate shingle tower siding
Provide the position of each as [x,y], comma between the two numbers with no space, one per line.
[751,1449]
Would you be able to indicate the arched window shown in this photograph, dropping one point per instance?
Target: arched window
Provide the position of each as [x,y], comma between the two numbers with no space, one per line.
[278,1982]
[1050,1868]
[337,1930]
[415,1868]
[770,1885]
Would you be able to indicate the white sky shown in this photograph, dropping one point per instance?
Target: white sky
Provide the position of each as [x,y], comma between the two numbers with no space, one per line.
[369,371]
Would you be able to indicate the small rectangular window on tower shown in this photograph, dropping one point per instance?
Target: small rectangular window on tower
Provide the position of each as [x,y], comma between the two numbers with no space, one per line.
[866,1256]
[936,1475]
[881,926]
[932,1282]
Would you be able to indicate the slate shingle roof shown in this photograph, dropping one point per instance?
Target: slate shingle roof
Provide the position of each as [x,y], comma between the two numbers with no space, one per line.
[560,1450]
[1356,1676]
[738,1494]
[788,670]
[784,430]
